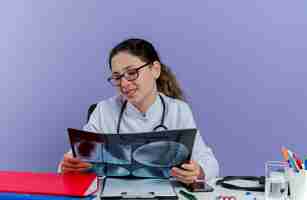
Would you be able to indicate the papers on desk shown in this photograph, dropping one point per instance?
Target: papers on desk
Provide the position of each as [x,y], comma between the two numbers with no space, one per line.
[137,188]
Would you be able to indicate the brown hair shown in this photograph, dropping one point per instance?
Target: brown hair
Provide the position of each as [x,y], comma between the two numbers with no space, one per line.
[144,50]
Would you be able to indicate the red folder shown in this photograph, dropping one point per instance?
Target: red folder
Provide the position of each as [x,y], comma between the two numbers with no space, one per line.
[70,184]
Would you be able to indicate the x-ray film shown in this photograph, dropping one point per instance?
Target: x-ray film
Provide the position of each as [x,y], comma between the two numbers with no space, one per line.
[147,155]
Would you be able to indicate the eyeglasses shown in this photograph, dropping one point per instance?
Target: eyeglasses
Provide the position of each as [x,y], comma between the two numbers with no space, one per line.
[129,75]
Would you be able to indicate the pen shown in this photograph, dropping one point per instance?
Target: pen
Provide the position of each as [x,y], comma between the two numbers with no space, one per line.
[293,162]
[187,195]
[285,155]
[298,161]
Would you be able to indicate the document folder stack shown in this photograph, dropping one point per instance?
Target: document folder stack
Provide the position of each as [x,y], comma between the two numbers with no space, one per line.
[16,185]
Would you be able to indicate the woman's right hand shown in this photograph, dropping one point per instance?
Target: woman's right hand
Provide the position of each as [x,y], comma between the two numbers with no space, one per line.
[71,164]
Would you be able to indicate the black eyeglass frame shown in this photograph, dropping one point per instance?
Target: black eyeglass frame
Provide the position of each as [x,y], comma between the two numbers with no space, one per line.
[125,74]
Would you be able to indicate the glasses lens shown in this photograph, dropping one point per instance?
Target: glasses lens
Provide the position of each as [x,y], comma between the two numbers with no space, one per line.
[131,75]
[115,81]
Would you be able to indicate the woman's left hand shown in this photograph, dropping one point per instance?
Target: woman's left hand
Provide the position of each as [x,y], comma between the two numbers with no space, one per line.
[188,172]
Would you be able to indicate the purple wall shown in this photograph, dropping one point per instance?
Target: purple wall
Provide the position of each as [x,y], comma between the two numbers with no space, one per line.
[242,64]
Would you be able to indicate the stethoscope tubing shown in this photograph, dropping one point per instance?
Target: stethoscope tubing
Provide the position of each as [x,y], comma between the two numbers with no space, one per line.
[160,126]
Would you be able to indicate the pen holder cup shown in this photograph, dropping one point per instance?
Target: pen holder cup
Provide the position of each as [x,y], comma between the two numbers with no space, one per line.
[298,184]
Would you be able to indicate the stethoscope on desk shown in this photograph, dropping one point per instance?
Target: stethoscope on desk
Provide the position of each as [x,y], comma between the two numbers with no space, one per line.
[160,126]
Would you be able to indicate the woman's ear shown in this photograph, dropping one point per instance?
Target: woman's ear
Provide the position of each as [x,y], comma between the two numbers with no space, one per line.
[156,69]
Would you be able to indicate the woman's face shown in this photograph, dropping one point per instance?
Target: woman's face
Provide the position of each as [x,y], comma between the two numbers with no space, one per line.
[141,89]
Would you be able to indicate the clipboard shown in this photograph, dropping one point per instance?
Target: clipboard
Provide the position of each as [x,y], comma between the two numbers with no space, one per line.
[133,188]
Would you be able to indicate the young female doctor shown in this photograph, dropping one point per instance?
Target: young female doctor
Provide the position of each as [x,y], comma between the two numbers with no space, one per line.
[149,99]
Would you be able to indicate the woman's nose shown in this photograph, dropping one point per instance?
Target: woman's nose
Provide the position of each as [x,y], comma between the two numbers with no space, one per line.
[124,82]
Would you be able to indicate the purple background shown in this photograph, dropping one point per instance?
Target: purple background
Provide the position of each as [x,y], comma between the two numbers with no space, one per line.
[242,64]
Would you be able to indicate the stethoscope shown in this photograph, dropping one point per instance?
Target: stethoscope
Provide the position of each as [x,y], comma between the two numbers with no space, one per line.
[160,126]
